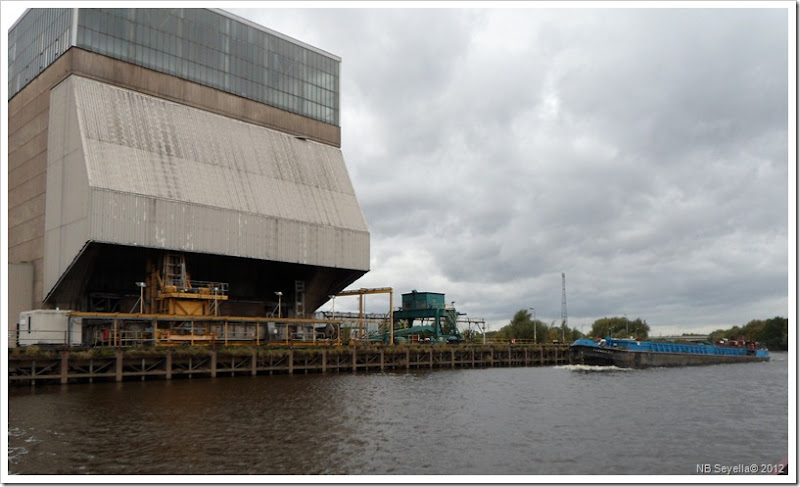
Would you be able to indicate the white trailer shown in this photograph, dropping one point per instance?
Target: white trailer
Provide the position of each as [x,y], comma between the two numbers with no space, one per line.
[48,327]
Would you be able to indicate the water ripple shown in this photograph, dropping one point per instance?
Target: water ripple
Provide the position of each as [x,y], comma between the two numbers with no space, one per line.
[523,421]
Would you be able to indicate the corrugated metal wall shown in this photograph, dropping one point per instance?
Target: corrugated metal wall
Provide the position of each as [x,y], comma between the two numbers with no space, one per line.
[66,227]
[141,144]
[131,219]
[164,175]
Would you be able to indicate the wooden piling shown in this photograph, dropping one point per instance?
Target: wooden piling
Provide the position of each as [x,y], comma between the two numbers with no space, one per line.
[119,359]
[66,368]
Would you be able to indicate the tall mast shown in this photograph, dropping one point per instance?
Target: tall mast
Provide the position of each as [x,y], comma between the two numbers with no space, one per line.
[563,305]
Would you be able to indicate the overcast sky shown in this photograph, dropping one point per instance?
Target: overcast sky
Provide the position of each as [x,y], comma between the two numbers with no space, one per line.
[643,152]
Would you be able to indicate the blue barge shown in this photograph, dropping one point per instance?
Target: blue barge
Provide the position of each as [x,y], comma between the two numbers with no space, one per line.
[637,354]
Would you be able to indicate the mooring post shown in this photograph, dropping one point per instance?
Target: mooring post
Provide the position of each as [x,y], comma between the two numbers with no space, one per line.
[355,359]
[168,365]
[381,359]
[408,359]
[213,360]
[118,377]
[430,358]
[452,359]
[64,366]
[254,362]
[324,360]
[291,361]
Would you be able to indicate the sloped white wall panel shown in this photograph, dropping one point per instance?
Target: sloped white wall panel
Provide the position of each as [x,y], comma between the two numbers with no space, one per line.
[144,171]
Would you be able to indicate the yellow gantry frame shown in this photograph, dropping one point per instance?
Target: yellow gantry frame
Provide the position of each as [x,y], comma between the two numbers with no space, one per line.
[363,292]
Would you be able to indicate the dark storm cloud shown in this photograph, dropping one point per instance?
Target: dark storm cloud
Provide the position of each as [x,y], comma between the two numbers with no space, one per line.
[641,151]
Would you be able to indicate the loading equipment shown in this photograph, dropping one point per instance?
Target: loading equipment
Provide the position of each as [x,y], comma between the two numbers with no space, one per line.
[438,321]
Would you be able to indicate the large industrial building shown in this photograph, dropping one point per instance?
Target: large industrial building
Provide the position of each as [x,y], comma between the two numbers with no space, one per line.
[158,151]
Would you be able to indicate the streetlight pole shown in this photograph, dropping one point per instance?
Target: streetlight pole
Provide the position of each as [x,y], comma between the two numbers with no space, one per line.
[141,296]
[534,324]
[216,303]
[279,294]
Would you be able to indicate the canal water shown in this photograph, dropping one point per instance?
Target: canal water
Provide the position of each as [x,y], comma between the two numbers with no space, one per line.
[501,421]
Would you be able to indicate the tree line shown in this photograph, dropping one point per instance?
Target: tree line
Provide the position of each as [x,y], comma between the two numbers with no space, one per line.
[524,327]
[773,332]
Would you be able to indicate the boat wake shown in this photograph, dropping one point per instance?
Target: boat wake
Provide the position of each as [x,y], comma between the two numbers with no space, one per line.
[592,368]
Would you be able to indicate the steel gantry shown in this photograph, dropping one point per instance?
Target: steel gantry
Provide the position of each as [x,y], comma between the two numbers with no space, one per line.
[363,292]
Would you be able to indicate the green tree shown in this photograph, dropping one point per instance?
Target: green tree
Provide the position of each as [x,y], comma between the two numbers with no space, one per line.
[520,327]
[472,336]
[716,336]
[619,327]
[776,333]
[559,333]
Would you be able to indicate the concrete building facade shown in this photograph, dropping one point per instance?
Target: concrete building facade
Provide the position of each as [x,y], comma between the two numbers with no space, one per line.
[138,133]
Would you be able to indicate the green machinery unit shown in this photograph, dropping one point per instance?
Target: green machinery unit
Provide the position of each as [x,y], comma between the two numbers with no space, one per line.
[437,321]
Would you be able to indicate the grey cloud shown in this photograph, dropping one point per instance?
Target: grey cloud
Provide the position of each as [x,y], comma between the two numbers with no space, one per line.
[641,151]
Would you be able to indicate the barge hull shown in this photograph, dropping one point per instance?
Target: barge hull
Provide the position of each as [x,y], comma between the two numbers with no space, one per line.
[640,360]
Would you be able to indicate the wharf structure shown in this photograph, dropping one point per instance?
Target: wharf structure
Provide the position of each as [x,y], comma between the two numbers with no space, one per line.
[175,162]
[72,366]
